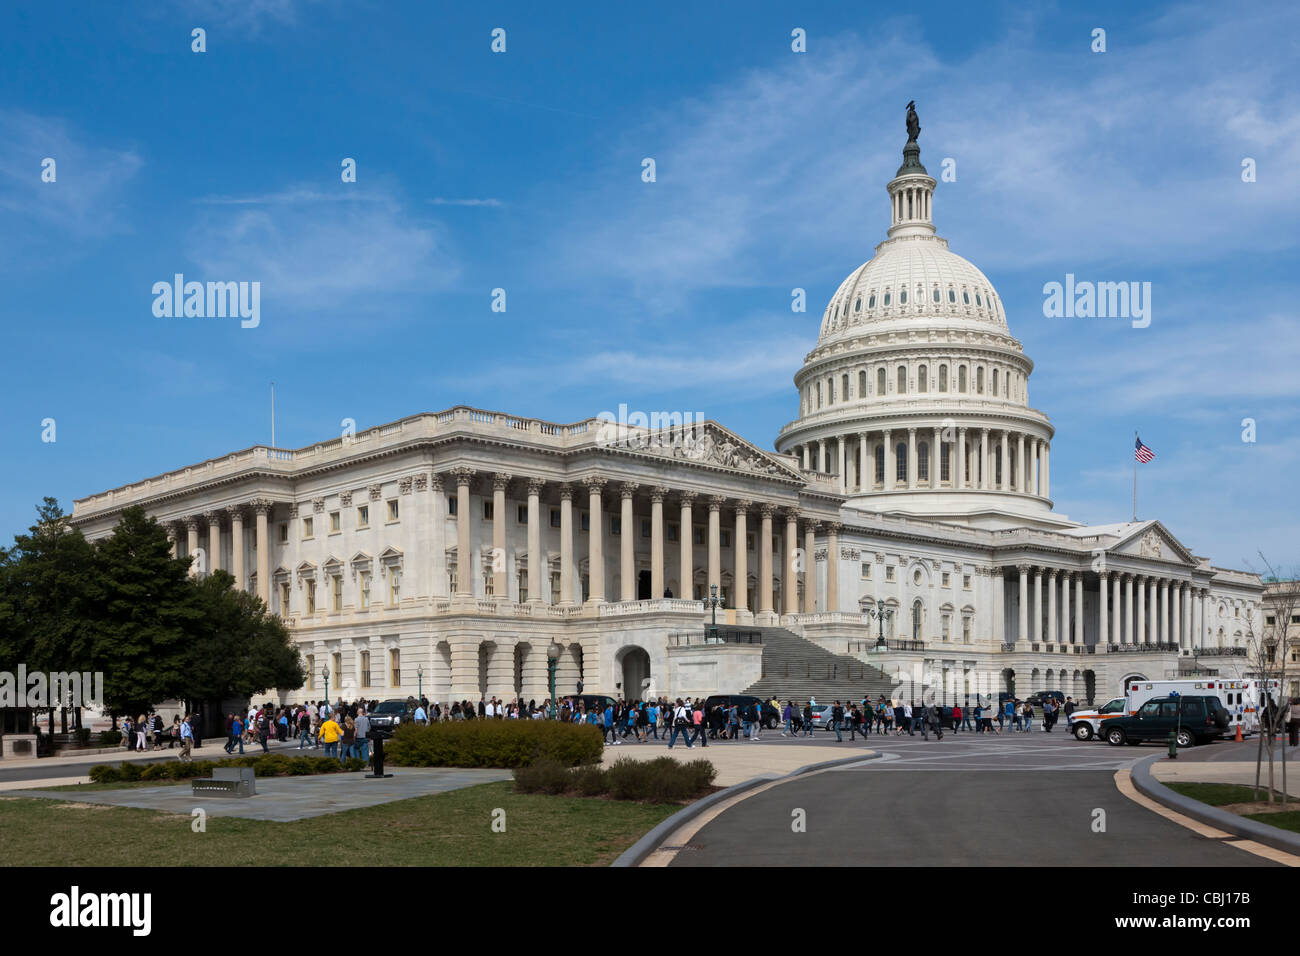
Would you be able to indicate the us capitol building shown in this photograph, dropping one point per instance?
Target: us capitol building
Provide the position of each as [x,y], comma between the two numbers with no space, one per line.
[458,552]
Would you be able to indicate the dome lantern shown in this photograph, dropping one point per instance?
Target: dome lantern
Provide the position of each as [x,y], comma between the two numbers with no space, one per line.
[912,188]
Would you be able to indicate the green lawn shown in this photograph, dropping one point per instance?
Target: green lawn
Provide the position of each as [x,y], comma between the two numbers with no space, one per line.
[1226,794]
[447,829]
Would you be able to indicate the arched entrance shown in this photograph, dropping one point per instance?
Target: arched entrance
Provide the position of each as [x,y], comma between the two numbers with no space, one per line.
[635,669]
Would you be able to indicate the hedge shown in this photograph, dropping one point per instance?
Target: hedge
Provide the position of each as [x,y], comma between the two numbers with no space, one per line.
[274,765]
[662,780]
[494,743]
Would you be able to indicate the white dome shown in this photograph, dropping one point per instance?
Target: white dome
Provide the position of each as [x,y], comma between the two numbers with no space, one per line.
[902,282]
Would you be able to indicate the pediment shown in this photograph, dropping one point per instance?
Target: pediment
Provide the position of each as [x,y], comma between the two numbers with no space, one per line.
[707,444]
[1153,541]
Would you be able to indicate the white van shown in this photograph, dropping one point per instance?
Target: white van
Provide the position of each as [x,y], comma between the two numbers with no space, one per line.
[1243,699]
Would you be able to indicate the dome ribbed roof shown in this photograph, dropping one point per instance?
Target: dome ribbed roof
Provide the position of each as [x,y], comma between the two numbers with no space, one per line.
[901,282]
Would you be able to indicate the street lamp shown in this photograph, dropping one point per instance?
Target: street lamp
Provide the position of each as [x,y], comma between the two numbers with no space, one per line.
[713,602]
[325,676]
[419,676]
[879,614]
[552,660]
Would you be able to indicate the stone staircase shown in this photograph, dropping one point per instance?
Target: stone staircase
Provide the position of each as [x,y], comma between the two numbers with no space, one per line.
[795,668]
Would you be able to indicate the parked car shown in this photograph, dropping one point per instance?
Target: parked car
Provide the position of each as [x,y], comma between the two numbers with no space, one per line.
[1192,719]
[771,716]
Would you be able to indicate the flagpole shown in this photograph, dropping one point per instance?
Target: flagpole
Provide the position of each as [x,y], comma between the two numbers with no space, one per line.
[273,414]
[1135,478]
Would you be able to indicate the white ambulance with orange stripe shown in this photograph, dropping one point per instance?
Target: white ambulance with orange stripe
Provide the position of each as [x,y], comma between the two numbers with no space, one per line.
[1086,724]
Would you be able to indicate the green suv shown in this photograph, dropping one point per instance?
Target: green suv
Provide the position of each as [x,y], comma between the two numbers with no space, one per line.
[1192,719]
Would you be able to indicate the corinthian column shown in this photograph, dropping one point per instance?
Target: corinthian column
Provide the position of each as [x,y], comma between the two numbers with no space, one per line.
[236,513]
[657,542]
[537,565]
[740,559]
[686,539]
[627,538]
[500,582]
[715,543]
[214,541]
[1022,635]
[595,540]
[464,561]
[833,566]
[262,508]
[192,543]
[790,576]
[566,544]
[764,601]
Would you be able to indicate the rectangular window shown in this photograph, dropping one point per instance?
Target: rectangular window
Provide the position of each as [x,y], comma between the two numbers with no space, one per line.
[749,541]
[555,517]
[451,580]
[965,581]
[284,534]
[395,667]
[947,579]
[555,587]
[311,672]
[336,524]
[307,525]
[673,531]
[336,594]
[724,539]
[284,599]
[487,510]
[363,664]
[452,505]
[311,596]
[947,624]
[523,586]
[489,584]
[645,527]
[363,516]
[584,522]
[698,535]
[965,630]
[521,513]
[338,670]
[866,569]
[394,512]
[615,525]
[889,572]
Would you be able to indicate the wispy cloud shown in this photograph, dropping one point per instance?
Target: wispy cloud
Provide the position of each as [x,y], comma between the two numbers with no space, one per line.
[440,201]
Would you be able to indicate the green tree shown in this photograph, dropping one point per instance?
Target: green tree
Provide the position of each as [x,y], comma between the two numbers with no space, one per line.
[240,650]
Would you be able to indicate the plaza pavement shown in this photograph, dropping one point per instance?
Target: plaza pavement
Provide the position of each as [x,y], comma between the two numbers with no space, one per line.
[1229,762]
[740,760]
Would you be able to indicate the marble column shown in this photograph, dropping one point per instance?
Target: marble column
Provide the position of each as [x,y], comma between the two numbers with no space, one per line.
[175,545]
[500,579]
[464,559]
[1103,621]
[1022,634]
[833,566]
[1141,610]
[686,542]
[595,540]
[1067,633]
[192,544]
[1162,612]
[566,548]
[985,479]
[237,544]
[1005,483]
[657,543]
[1078,609]
[790,575]
[1034,479]
[715,545]
[1022,473]
[262,508]
[1153,600]
[810,567]
[764,598]
[864,476]
[1051,606]
[538,583]
[843,464]
[1037,629]
[740,559]
[1176,614]
[627,540]
[960,482]
[214,541]
[935,458]
[911,459]
[1128,609]
[891,467]
[1047,469]
[1116,631]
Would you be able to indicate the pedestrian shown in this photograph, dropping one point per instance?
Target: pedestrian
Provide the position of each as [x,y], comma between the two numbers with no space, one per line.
[330,732]
[349,739]
[1028,715]
[956,717]
[236,735]
[187,740]
[362,726]
[697,716]
[837,718]
[681,725]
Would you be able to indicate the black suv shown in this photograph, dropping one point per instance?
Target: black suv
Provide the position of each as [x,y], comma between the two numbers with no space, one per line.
[1193,719]
[390,713]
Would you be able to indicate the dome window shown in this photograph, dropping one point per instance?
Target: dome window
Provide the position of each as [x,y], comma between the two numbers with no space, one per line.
[952,296]
[857,306]
[977,299]
[965,297]
[902,297]
[936,293]
[886,298]
[871,302]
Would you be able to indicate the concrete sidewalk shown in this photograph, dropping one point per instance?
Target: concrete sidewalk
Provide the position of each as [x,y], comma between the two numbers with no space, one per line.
[738,760]
[1234,771]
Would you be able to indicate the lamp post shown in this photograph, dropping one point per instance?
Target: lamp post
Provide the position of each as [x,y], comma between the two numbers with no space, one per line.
[325,676]
[419,677]
[713,602]
[552,660]
[879,614]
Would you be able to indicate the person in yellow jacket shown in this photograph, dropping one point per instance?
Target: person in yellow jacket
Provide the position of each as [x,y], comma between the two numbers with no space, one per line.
[330,732]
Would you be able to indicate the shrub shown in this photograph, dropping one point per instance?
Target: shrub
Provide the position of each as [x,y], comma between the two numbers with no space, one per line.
[544,776]
[105,773]
[83,735]
[156,771]
[494,743]
[590,780]
[130,771]
[110,738]
[274,765]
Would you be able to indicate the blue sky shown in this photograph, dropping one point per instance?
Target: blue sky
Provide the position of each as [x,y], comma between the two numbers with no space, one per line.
[522,171]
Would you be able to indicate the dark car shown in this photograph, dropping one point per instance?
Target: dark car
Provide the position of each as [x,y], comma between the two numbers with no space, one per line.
[389,714]
[1192,719]
[771,716]
[589,702]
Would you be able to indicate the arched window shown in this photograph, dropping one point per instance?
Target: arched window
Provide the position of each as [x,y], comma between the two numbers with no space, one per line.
[943,378]
[902,297]
[943,461]
[997,467]
[902,379]
[886,297]
[880,464]
[916,619]
[819,394]
[900,461]
[922,379]
[952,295]
[979,380]
[961,380]
[844,386]
[995,381]
[965,297]
[830,391]
[857,305]
[871,301]
[978,301]
[880,381]
[923,461]
[936,293]
[862,384]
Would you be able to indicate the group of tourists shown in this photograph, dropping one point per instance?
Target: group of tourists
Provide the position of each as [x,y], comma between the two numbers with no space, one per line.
[150,732]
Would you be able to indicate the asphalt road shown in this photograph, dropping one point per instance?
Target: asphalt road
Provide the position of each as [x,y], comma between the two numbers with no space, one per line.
[1010,800]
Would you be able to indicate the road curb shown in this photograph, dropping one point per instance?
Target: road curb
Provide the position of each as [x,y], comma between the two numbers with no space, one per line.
[642,848]
[1147,785]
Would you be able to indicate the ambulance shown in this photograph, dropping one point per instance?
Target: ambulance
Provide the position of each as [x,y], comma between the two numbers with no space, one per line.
[1086,724]
[1241,698]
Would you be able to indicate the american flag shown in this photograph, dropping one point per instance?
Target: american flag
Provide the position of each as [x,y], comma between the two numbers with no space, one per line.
[1141,452]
